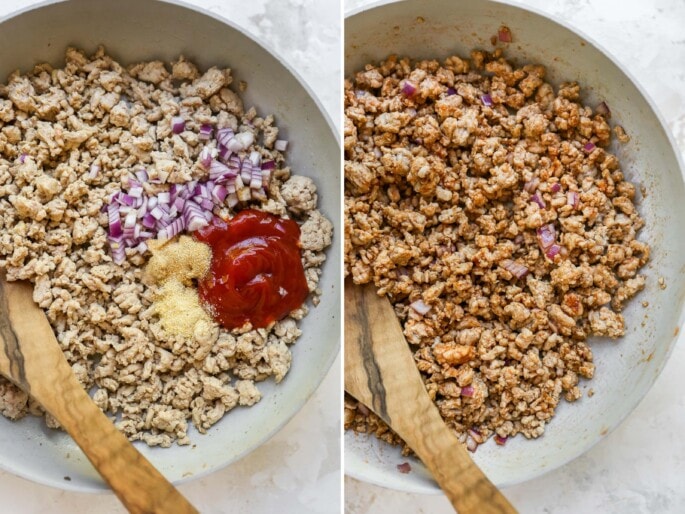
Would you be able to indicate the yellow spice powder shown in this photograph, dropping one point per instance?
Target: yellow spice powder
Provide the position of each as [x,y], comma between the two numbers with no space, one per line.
[173,266]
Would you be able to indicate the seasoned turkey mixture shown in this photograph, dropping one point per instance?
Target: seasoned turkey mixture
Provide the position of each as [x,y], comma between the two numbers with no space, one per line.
[485,204]
[81,148]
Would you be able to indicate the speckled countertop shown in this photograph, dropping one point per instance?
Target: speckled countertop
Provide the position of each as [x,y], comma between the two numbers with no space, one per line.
[298,470]
[640,467]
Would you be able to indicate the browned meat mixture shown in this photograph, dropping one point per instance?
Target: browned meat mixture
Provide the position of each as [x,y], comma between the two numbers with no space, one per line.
[485,204]
[55,124]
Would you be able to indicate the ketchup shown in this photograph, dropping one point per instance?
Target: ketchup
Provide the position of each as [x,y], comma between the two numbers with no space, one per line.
[256,274]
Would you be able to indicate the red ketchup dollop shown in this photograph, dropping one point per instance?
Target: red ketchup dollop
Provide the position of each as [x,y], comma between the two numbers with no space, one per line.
[256,273]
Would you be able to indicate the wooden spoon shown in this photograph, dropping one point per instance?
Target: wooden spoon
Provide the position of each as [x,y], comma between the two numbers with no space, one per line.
[380,372]
[32,359]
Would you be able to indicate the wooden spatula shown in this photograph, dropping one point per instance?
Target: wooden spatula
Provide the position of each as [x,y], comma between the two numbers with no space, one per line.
[380,372]
[31,358]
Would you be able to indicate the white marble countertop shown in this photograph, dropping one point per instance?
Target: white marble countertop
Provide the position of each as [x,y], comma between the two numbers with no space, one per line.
[298,470]
[640,467]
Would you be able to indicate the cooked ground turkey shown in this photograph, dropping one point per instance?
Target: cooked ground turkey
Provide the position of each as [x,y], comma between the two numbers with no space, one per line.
[455,172]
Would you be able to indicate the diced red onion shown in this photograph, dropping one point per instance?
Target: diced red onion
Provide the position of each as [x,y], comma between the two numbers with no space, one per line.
[486,99]
[224,153]
[515,268]
[152,202]
[205,132]
[547,235]
[130,220]
[266,177]
[127,200]
[22,158]
[556,187]
[532,185]
[141,248]
[420,307]
[142,175]
[205,157]
[451,91]
[207,204]
[603,109]
[136,192]
[589,146]
[504,34]
[116,246]
[156,212]
[256,159]
[268,165]
[114,220]
[224,135]
[552,251]
[149,221]
[467,391]
[538,200]
[572,199]
[407,87]
[405,467]
[500,440]
[94,170]
[219,193]
[178,124]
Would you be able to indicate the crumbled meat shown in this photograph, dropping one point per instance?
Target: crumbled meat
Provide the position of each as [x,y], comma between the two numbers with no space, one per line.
[96,112]
[445,199]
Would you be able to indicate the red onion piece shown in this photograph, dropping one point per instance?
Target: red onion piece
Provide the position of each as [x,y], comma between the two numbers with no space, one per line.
[268,165]
[451,91]
[547,235]
[156,212]
[149,221]
[178,124]
[22,158]
[405,467]
[407,87]
[500,440]
[266,177]
[114,220]
[603,109]
[281,145]
[486,99]
[515,268]
[532,185]
[467,391]
[420,307]
[504,34]
[116,246]
[552,251]
[205,132]
[136,192]
[572,199]
[538,200]
[205,158]
[589,146]
[556,187]
[94,170]
[142,176]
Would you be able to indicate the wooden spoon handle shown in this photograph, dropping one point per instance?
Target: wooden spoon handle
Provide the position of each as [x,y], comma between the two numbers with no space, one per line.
[33,360]
[383,376]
